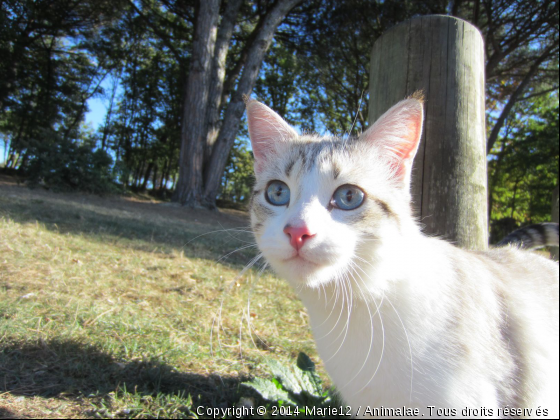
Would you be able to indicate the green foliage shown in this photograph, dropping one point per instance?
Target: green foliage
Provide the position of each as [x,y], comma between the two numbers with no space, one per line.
[279,79]
[66,165]
[238,178]
[523,168]
[57,56]
[47,78]
[298,386]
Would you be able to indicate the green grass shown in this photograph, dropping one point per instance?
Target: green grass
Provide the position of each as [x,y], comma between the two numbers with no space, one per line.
[118,307]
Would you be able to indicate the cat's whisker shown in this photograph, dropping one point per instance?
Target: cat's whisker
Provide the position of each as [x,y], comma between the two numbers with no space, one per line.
[378,312]
[344,330]
[217,320]
[364,239]
[323,287]
[239,229]
[219,327]
[336,293]
[404,330]
[246,268]
[248,316]
[254,245]
[212,336]
[342,278]
[346,284]
[378,306]
[263,267]
[356,117]
[371,330]
[242,229]
[409,346]
[241,338]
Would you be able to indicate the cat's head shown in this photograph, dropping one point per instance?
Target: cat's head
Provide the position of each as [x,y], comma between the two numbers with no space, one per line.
[322,206]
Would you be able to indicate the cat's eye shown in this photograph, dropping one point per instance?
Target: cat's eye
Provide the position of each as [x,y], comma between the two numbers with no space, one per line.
[348,197]
[277,193]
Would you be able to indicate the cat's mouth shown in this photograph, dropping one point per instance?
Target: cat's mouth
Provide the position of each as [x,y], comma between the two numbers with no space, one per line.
[298,258]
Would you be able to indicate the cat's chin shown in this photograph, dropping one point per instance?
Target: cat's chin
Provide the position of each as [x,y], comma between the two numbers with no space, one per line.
[302,272]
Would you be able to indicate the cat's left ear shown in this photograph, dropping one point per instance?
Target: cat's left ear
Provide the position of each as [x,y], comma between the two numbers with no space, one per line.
[397,136]
[266,128]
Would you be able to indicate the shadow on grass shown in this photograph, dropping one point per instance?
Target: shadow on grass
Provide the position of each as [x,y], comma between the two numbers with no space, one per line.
[69,369]
[7,414]
[198,233]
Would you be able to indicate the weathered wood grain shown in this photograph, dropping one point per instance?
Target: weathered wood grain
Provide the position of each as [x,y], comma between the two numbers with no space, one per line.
[443,57]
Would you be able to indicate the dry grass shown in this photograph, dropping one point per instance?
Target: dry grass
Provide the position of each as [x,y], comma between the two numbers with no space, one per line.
[117,307]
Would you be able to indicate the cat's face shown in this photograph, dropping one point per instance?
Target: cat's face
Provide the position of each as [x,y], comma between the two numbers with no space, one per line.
[321,205]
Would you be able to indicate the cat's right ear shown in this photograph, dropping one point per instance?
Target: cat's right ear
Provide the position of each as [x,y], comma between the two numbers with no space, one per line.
[397,134]
[266,128]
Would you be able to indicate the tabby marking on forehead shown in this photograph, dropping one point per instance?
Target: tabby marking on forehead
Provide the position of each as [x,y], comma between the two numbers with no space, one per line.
[336,170]
[385,207]
[289,167]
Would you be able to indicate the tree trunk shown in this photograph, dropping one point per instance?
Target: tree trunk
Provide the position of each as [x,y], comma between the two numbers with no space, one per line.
[154,178]
[136,178]
[225,32]
[22,162]
[109,115]
[165,175]
[11,163]
[236,107]
[193,127]
[147,176]
[555,208]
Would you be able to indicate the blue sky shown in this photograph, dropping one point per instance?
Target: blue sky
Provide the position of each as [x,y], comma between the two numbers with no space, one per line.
[97,111]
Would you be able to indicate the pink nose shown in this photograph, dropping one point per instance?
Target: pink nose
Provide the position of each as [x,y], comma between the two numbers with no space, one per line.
[298,235]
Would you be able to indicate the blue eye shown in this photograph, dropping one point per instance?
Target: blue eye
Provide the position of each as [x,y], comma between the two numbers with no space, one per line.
[277,193]
[348,197]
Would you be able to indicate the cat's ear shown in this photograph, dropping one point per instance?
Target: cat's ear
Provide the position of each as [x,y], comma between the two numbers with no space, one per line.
[397,135]
[266,128]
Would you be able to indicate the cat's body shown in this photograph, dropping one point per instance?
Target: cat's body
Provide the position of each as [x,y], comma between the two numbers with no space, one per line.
[443,341]
[400,319]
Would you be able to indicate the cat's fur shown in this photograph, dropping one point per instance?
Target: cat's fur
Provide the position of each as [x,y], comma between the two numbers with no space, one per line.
[401,319]
[533,236]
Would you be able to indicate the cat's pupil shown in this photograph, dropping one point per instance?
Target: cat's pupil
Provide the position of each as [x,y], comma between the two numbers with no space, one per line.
[349,195]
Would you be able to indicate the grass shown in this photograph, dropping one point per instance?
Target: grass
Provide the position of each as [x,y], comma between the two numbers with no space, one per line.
[126,307]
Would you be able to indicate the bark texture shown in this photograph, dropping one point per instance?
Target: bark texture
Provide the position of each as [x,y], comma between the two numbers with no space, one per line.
[230,125]
[194,127]
[225,32]
[206,142]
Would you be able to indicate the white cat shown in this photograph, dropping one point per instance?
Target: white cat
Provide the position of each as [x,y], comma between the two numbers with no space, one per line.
[400,319]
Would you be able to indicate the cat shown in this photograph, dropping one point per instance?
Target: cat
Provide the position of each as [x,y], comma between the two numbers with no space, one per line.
[402,321]
[533,236]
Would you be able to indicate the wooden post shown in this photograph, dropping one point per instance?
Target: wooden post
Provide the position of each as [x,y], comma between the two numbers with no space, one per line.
[443,57]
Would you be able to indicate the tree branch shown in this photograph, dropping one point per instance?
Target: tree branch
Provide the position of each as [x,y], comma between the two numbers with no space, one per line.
[235,108]
[515,95]
[157,32]
[534,95]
